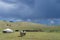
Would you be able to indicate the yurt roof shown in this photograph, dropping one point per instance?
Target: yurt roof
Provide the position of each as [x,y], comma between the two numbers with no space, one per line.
[7,29]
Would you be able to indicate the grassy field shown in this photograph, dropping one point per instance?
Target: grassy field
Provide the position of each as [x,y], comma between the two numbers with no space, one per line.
[30,36]
[26,26]
[20,25]
[46,35]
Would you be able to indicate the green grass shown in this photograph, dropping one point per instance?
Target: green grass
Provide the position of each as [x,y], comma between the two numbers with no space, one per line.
[30,36]
[26,26]
[20,25]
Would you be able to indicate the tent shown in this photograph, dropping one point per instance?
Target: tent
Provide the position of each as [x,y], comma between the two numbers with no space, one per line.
[7,30]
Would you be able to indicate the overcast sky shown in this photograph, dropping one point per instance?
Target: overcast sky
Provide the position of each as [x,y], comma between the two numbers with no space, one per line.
[33,9]
[29,9]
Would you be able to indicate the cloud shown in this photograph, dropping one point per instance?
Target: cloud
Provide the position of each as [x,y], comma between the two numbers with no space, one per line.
[19,20]
[6,7]
[29,9]
[29,20]
[52,22]
[13,19]
[24,10]
[17,9]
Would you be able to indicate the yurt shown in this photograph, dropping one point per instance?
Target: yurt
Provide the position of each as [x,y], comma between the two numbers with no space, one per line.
[7,30]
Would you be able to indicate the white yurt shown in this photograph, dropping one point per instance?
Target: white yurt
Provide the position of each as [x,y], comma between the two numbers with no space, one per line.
[7,30]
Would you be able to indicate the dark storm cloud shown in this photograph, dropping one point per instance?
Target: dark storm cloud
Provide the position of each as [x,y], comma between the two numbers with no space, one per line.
[30,9]
[48,8]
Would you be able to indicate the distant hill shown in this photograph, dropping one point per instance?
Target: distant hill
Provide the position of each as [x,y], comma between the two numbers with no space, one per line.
[20,25]
[26,26]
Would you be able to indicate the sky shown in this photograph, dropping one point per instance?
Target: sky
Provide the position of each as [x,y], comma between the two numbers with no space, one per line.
[29,10]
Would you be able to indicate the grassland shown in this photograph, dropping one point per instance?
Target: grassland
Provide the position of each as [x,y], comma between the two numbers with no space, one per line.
[30,35]
[20,25]
[26,26]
